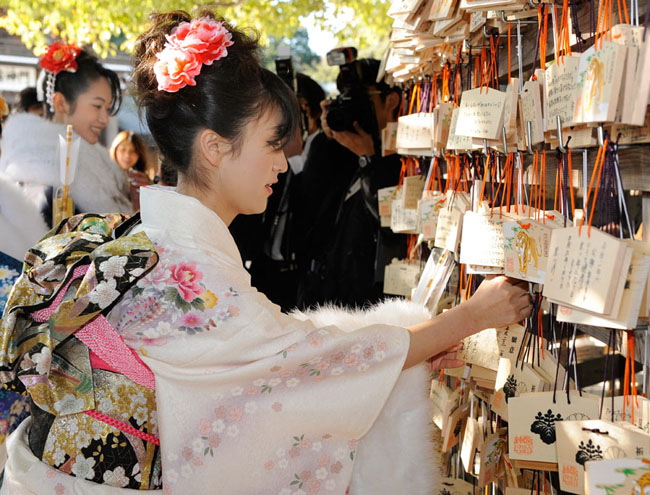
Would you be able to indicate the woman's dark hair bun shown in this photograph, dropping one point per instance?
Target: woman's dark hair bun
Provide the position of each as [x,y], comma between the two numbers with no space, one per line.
[228,94]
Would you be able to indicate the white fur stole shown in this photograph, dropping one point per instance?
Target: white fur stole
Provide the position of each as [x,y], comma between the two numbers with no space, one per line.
[397,455]
[29,154]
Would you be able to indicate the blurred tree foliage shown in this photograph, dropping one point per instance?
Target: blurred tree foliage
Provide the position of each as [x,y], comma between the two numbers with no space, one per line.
[303,56]
[112,25]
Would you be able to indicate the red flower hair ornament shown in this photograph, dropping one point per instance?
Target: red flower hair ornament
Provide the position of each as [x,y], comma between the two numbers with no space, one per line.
[190,46]
[60,56]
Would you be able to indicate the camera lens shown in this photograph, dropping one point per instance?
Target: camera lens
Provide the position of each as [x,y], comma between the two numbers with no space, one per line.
[337,119]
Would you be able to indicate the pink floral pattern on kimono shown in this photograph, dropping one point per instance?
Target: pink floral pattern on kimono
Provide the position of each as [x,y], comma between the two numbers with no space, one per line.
[179,283]
[309,465]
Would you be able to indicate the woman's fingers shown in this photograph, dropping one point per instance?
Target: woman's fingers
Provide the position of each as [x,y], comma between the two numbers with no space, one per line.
[446,359]
[455,348]
[501,301]
[451,363]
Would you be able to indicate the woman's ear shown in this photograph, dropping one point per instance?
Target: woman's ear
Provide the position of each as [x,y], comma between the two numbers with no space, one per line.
[212,147]
[60,104]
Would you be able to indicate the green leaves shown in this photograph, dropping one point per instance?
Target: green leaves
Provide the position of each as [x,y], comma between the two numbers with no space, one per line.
[172,295]
[109,26]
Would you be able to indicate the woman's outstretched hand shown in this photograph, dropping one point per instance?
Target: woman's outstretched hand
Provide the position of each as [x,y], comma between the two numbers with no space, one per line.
[500,301]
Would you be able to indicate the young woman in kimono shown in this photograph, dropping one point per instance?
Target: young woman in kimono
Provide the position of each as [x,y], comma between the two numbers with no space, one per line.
[77,90]
[216,390]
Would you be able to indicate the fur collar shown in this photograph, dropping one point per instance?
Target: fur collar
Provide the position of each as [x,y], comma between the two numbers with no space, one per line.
[21,223]
[398,454]
[29,154]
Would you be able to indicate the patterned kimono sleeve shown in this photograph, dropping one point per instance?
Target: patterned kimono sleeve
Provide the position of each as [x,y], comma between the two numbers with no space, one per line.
[254,401]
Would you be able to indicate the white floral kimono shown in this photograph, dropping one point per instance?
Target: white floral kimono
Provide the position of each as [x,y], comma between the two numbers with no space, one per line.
[250,400]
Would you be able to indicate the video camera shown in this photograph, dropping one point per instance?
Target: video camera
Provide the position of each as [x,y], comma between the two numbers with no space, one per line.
[353,104]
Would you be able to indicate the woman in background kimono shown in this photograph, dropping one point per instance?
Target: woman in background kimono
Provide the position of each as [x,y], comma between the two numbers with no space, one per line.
[216,390]
[76,90]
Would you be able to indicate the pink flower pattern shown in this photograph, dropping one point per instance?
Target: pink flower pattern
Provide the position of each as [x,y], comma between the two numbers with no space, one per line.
[311,464]
[187,278]
[191,320]
[181,284]
[323,471]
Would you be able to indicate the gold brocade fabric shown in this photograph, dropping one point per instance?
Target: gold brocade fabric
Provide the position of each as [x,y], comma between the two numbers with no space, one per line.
[54,368]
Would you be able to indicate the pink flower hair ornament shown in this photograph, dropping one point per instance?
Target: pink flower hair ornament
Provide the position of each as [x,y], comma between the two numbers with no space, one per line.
[190,46]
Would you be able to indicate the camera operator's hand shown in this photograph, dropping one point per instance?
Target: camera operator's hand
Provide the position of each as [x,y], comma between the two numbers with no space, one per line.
[360,142]
[323,119]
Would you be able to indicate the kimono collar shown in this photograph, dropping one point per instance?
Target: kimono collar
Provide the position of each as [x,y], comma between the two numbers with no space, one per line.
[185,217]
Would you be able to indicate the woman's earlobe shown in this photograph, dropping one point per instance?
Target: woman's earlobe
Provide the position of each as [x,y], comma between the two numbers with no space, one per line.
[211,147]
[60,104]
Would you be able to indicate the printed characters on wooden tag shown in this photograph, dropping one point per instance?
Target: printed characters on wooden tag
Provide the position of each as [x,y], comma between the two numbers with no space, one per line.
[582,441]
[513,381]
[533,418]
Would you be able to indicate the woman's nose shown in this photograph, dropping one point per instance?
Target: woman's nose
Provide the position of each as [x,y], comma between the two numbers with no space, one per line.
[281,164]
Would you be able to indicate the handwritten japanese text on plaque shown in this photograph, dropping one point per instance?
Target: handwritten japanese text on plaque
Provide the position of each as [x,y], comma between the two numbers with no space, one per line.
[481,113]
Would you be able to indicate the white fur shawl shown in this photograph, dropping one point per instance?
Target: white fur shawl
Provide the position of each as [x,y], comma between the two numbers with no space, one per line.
[29,154]
[397,455]
[21,224]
